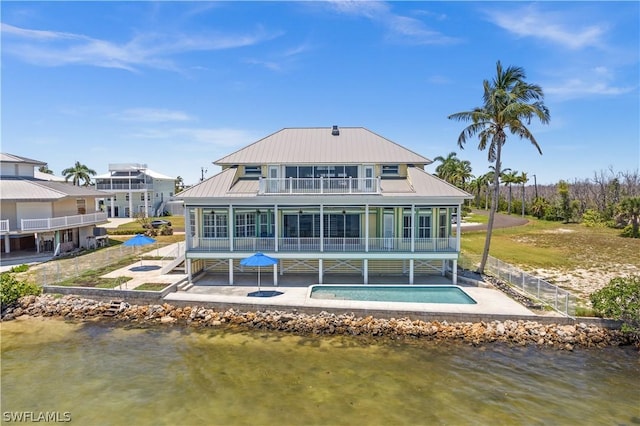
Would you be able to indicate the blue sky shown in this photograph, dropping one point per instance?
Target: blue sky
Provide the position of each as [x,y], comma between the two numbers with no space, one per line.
[177,85]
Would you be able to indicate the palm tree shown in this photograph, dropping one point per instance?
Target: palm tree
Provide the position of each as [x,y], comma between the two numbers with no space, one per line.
[79,172]
[509,178]
[523,179]
[509,104]
[446,168]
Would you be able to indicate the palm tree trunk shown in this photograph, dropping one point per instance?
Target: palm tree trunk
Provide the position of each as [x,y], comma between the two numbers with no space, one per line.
[492,211]
[523,199]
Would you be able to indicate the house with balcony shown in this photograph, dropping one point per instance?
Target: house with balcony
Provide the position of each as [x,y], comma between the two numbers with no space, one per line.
[324,201]
[45,214]
[135,189]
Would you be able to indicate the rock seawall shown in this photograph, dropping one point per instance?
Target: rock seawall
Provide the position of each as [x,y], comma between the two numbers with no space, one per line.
[520,332]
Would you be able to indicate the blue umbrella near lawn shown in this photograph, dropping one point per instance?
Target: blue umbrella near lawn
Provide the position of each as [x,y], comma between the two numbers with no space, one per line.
[259,260]
[139,240]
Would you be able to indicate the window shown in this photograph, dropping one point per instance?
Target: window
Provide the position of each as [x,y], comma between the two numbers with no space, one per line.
[406,225]
[424,226]
[214,224]
[342,225]
[252,170]
[192,222]
[266,225]
[245,225]
[81,206]
[442,226]
[390,170]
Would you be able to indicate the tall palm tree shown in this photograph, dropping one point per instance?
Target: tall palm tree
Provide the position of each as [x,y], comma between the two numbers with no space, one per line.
[462,173]
[79,172]
[523,179]
[509,104]
[509,178]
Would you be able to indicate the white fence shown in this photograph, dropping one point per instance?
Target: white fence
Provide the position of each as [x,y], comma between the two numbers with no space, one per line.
[536,288]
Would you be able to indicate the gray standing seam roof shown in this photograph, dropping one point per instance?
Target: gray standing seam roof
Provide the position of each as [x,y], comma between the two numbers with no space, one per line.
[354,145]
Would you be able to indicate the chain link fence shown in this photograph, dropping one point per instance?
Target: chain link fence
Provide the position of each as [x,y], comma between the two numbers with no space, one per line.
[60,269]
[536,288]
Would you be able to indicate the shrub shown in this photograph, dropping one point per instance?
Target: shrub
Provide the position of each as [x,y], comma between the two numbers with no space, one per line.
[591,218]
[19,268]
[11,289]
[620,300]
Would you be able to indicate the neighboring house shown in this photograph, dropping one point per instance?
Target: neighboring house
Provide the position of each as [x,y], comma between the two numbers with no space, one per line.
[136,189]
[324,201]
[45,215]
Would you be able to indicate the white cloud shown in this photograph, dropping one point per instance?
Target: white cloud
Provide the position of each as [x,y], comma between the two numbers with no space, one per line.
[399,28]
[151,114]
[563,29]
[152,50]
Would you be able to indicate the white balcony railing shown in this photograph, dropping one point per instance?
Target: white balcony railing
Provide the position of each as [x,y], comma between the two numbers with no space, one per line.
[319,186]
[123,186]
[317,245]
[52,223]
[4,226]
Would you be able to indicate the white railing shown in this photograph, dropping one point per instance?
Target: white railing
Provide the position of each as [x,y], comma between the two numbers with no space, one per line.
[51,223]
[341,245]
[4,226]
[123,186]
[319,185]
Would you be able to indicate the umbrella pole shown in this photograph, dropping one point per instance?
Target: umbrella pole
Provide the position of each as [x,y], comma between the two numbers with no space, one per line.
[258,279]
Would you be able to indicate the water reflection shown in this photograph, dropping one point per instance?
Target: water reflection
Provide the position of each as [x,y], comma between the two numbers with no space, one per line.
[111,375]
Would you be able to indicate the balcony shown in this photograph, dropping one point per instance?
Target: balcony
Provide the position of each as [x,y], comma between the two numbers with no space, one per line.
[304,186]
[123,186]
[323,245]
[55,223]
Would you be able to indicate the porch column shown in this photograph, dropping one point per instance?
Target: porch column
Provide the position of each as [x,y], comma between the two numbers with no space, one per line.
[321,227]
[37,242]
[444,267]
[276,231]
[365,270]
[275,275]
[458,227]
[319,271]
[455,272]
[410,271]
[188,238]
[113,205]
[146,204]
[366,227]
[189,275]
[413,231]
[131,212]
[7,244]
[230,271]
[230,227]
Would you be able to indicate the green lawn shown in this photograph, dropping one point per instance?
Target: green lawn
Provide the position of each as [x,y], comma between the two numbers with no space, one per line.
[542,244]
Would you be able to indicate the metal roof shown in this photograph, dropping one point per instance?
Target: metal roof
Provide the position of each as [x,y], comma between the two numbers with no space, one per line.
[10,158]
[353,145]
[418,184]
[25,189]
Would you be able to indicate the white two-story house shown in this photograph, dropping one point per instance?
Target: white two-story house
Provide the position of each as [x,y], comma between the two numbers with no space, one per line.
[136,189]
[324,201]
[44,214]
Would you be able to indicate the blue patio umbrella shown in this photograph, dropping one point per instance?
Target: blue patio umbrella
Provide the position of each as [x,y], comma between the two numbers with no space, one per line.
[139,240]
[259,260]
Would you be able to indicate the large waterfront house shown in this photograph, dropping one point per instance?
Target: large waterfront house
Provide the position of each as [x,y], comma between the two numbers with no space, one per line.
[135,189]
[324,201]
[40,212]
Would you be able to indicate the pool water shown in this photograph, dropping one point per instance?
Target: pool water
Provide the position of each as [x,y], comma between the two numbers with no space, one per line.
[393,293]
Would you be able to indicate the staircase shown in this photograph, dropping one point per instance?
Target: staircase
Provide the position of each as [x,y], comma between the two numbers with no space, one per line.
[113,309]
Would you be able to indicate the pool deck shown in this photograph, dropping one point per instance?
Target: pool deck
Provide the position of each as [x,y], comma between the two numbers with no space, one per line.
[212,291]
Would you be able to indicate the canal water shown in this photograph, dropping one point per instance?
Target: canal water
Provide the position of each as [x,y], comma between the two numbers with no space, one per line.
[103,374]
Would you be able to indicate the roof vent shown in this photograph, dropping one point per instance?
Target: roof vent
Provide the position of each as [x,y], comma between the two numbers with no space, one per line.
[335,131]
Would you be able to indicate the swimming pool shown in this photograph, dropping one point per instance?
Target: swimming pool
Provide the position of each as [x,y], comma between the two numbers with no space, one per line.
[393,293]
